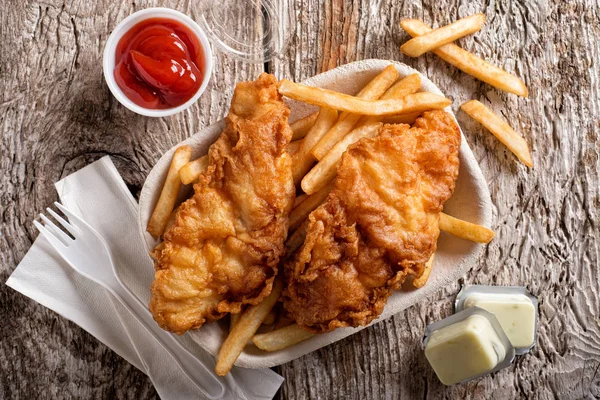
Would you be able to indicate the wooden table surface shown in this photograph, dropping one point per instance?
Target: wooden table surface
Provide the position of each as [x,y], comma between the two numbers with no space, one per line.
[57,115]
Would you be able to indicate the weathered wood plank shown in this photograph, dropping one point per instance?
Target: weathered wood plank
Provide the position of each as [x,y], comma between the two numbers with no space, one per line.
[56,116]
[547,218]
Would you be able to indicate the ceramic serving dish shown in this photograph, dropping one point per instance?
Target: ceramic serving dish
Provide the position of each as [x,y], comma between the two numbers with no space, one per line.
[454,257]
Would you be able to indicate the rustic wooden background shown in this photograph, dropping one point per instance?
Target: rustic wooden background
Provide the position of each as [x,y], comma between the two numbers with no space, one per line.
[57,115]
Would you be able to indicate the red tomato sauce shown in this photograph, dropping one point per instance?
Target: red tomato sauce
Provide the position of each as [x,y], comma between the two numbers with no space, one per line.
[159,64]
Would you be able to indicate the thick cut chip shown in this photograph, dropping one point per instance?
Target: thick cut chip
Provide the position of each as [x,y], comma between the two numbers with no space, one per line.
[469,63]
[444,35]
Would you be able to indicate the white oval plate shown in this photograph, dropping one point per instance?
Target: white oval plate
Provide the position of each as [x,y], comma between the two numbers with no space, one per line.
[454,256]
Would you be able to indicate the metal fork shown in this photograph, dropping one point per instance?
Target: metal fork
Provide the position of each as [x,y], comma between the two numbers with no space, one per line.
[89,254]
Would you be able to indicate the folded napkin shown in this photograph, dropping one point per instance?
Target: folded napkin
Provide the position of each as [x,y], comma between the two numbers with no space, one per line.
[98,194]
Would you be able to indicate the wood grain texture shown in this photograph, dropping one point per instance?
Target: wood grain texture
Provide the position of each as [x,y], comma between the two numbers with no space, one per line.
[57,115]
[546,218]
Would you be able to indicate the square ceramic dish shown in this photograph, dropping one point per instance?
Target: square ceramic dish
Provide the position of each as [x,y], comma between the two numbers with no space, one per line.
[454,257]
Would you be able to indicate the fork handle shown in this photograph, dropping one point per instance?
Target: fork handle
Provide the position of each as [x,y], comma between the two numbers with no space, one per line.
[205,379]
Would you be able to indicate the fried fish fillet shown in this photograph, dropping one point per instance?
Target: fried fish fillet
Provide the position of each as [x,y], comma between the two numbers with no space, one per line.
[378,225]
[224,247]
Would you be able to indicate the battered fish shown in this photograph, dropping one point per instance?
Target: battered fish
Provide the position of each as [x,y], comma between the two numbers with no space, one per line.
[378,225]
[225,244]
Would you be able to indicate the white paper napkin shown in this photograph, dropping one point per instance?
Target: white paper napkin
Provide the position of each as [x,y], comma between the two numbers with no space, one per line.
[98,194]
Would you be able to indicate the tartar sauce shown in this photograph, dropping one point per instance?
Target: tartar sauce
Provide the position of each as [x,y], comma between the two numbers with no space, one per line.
[514,307]
[515,312]
[467,345]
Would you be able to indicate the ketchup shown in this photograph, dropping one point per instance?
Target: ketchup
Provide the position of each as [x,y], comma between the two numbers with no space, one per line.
[159,64]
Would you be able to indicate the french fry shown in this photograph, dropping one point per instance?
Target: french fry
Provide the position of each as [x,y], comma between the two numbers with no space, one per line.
[500,129]
[408,85]
[444,35]
[326,169]
[301,127]
[233,320]
[296,239]
[294,146]
[282,321]
[465,230]
[343,102]
[281,338]
[302,160]
[378,85]
[422,280]
[300,213]
[470,63]
[166,202]
[405,86]
[190,171]
[245,329]
[402,119]
[372,91]
[299,199]
[172,218]
[271,317]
